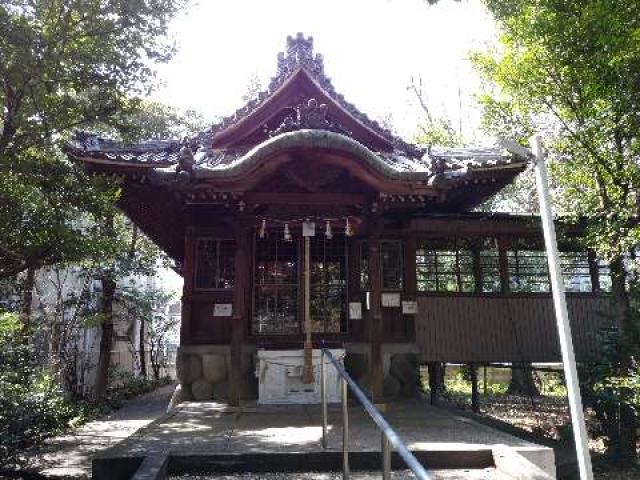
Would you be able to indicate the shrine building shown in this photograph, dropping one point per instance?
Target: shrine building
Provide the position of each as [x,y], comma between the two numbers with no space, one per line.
[299,219]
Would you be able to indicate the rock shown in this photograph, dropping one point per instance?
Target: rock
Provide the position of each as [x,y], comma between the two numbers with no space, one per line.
[221,391]
[188,367]
[404,368]
[202,390]
[214,368]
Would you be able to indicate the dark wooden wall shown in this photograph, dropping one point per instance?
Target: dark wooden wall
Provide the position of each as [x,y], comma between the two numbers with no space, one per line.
[505,328]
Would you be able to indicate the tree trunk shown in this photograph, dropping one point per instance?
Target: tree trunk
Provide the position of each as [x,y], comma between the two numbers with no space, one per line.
[106,340]
[522,382]
[143,358]
[624,448]
[27,295]
[621,299]
[475,393]
[437,372]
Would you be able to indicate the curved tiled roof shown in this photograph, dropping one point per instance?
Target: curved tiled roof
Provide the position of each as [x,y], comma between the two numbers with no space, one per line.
[164,156]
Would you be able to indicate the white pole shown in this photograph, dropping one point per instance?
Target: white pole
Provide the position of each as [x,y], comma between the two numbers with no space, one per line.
[562,318]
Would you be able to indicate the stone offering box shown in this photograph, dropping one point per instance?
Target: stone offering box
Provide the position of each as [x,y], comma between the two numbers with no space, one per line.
[280,379]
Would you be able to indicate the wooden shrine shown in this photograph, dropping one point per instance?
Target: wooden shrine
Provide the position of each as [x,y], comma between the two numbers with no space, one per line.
[298,217]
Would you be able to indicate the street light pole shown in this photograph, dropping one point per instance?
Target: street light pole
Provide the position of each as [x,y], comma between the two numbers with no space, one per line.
[581,438]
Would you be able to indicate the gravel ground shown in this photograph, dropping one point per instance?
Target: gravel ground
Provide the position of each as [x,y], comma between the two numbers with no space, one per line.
[545,415]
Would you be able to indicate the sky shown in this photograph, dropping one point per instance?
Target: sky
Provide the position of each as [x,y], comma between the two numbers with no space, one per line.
[371,49]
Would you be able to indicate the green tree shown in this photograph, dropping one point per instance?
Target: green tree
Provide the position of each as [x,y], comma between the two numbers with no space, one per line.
[573,68]
[65,64]
[132,253]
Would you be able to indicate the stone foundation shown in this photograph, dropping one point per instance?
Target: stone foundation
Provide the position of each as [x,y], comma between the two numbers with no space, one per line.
[203,374]
[203,371]
[401,369]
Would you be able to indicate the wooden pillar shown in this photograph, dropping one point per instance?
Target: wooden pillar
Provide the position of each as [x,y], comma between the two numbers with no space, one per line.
[410,282]
[355,326]
[477,278]
[188,269]
[376,365]
[503,262]
[242,234]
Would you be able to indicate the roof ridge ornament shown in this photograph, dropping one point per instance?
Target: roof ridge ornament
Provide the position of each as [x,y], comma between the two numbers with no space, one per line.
[299,53]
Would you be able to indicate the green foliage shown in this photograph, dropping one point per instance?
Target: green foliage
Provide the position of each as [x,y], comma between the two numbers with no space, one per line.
[572,69]
[439,132]
[150,305]
[553,385]
[66,65]
[148,119]
[610,385]
[32,406]
[124,386]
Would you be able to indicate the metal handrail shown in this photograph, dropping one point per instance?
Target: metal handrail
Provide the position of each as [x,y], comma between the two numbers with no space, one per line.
[389,437]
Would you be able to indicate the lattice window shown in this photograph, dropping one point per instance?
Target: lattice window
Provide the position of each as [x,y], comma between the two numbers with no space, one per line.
[215,260]
[528,271]
[391,264]
[575,271]
[328,283]
[276,309]
[490,266]
[441,267]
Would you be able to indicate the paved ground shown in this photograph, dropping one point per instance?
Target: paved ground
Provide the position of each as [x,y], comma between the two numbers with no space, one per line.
[200,432]
[69,456]
[212,427]
[209,428]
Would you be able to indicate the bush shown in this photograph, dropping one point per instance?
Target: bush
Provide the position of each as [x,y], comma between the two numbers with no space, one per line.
[124,385]
[610,386]
[32,406]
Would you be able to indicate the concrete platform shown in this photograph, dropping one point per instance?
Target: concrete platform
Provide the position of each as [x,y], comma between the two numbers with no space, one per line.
[211,437]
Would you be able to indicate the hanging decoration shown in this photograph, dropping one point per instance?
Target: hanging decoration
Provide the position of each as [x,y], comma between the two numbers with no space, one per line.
[348,229]
[263,229]
[328,233]
[307,226]
[308,229]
